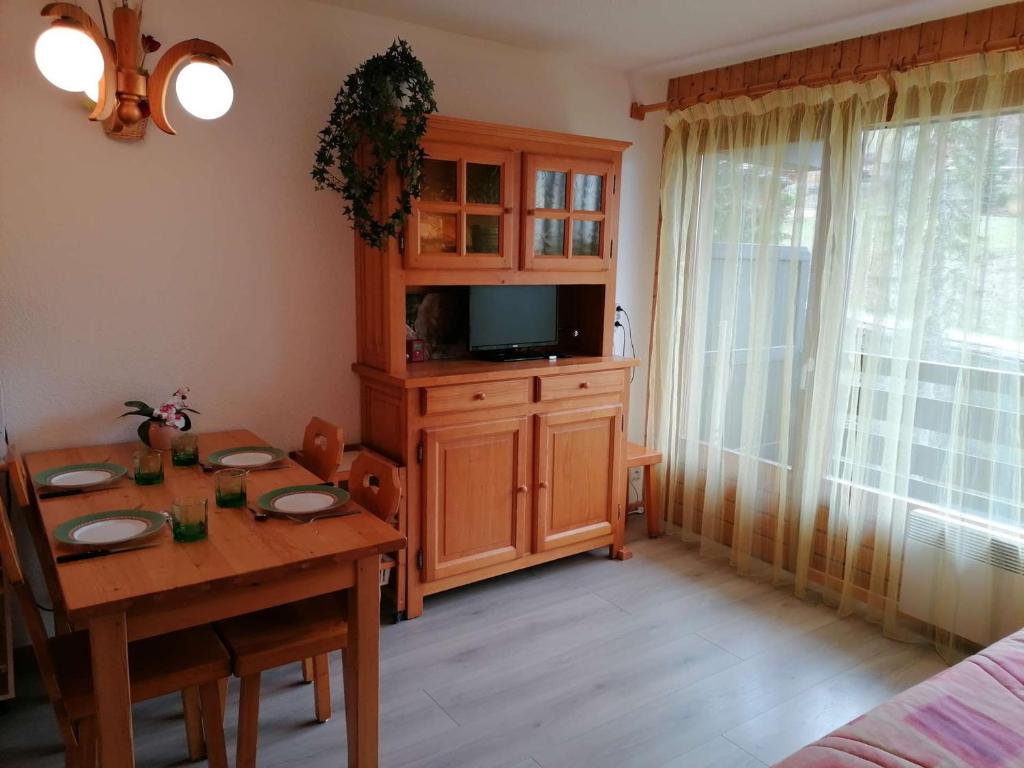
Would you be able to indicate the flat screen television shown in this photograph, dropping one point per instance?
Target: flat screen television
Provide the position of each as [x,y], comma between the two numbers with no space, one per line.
[513,322]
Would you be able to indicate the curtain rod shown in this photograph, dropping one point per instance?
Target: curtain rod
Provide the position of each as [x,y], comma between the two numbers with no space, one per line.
[856,73]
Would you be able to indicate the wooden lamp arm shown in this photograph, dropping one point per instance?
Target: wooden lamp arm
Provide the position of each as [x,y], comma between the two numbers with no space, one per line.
[174,57]
[108,84]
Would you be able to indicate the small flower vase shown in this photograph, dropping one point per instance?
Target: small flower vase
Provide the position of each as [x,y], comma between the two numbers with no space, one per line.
[160,435]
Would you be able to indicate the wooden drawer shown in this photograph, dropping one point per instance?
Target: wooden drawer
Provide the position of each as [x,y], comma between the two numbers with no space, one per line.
[580,385]
[475,397]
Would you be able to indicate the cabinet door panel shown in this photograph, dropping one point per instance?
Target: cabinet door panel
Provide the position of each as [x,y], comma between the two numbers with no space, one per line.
[465,217]
[579,468]
[475,492]
[570,214]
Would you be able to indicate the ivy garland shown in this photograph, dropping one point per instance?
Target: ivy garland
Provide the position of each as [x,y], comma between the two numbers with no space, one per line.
[379,114]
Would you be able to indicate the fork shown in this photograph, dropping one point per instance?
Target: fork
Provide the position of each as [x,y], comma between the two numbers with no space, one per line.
[257,514]
[334,513]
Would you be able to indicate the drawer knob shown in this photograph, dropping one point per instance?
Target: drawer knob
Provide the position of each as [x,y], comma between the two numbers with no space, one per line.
[584,385]
[480,396]
[543,483]
[522,489]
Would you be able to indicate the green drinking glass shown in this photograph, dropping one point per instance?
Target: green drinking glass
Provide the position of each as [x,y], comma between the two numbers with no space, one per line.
[149,467]
[185,450]
[188,518]
[230,487]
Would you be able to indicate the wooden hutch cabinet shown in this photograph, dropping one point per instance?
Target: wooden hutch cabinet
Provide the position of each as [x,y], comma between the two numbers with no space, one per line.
[509,464]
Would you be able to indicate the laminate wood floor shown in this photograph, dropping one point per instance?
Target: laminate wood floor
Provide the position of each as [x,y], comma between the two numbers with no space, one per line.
[669,660]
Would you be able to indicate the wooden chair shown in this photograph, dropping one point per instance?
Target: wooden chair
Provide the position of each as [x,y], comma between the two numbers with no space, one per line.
[318,453]
[159,665]
[308,630]
[638,455]
[376,484]
[26,499]
[322,447]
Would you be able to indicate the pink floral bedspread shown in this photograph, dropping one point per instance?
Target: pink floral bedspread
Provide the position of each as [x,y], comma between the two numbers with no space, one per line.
[969,715]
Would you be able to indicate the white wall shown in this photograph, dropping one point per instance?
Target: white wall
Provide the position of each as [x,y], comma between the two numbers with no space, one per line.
[208,259]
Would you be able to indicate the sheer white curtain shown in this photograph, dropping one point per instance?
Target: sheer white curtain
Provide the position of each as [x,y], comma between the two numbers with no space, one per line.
[749,251]
[929,431]
[839,339]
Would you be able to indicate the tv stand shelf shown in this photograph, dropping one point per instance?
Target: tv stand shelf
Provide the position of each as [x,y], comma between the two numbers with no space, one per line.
[508,464]
[444,372]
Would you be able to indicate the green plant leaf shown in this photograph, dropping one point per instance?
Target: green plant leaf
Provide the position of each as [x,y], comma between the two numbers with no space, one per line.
[379,116]
[188,423]
[143,431]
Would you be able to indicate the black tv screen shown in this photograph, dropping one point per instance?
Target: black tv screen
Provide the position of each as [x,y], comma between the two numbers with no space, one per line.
[511,316]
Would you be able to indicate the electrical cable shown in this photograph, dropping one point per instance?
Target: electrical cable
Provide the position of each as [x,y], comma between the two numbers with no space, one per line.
[627,328]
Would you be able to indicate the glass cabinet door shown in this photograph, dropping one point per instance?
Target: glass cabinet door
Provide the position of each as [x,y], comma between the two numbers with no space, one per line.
[569,214]
[465,215]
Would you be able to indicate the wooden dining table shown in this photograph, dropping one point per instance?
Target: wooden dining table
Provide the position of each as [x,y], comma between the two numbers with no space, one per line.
[242,566]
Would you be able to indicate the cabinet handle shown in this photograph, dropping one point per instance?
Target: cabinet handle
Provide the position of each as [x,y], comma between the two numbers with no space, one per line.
[584,385]
[508,210]
[522,489]
[480,396]
[530,212]
[543,483]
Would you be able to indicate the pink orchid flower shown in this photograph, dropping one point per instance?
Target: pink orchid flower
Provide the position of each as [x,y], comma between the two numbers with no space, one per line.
[169,413]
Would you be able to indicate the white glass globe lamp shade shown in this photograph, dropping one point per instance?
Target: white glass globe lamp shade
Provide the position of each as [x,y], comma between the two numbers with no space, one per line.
[204,90]
[68,58]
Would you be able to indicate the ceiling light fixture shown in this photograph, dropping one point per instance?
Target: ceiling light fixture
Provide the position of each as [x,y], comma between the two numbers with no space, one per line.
[75,54]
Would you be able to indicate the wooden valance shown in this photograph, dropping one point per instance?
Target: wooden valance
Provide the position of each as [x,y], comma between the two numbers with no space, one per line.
[859,58]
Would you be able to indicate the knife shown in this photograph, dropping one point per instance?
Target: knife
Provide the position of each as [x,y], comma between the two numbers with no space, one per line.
[260,468]
[99,553]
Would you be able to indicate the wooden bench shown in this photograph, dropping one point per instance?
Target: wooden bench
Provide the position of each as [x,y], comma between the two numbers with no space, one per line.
[638,455]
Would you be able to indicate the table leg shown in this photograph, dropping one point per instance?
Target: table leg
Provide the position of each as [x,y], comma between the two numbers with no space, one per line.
[108,639]
[362,666]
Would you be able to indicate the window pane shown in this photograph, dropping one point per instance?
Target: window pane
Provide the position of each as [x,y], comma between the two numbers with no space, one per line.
[761,211]
[439,180]
[482,233]
[586,238]
[548,237]
[483,184]
[550,190]
[437,232]
[937,382]
[586,191]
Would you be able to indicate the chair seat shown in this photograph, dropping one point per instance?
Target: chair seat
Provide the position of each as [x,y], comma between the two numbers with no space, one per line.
[158,666]
[286,633]
[344,471]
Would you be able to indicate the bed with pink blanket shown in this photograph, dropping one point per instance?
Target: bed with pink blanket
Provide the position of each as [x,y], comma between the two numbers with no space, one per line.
[969,715]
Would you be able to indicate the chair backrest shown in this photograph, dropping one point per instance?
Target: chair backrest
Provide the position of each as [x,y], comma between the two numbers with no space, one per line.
[375,483]
[26,499]
[19,479]
[322,446]
[33,621]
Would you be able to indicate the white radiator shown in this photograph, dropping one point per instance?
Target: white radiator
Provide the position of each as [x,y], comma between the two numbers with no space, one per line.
[984,569]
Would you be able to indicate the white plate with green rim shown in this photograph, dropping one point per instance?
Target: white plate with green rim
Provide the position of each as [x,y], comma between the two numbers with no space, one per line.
[247,457]
[299,500]
[106,528]
[76,476]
